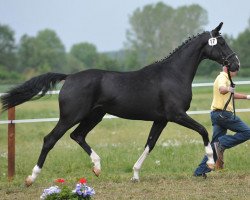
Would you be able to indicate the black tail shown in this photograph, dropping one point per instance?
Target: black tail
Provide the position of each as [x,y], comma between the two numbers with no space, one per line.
[31,88]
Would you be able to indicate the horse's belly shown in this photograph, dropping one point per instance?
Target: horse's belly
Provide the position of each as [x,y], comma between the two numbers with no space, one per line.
[135,112]
[137,116]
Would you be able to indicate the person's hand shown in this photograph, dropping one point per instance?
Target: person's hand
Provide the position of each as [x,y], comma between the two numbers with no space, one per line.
[248,97]
[231,89]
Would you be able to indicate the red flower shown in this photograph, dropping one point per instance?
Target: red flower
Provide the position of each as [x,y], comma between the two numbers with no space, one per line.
[60,180]
[82,181]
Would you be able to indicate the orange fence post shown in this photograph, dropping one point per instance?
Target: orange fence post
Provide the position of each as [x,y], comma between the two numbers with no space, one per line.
[11,144]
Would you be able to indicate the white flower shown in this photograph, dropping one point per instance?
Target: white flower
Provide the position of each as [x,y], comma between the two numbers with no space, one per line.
[49,191]
[157,162]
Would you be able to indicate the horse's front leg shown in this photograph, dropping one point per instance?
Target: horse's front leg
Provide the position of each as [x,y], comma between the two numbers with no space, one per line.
[185,120]
[152,139]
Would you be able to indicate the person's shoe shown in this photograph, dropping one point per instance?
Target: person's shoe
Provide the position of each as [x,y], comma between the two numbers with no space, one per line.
[203,175]
[219,149]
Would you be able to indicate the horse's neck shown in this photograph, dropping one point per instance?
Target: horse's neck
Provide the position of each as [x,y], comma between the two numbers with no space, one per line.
[190,58]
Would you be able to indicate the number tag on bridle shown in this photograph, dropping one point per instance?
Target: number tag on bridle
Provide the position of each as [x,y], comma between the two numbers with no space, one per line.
[212,41]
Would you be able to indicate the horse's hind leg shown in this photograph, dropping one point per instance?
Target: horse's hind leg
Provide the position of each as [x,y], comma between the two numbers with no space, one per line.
[49,142]
[80,133]
[152,139]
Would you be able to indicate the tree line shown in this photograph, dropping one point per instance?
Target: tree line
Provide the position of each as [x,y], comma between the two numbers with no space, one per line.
[155,30]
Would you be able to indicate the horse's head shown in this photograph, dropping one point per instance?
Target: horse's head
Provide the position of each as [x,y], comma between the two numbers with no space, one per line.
[218,50]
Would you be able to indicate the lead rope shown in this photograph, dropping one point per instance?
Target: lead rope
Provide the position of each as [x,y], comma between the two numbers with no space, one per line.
[231,95]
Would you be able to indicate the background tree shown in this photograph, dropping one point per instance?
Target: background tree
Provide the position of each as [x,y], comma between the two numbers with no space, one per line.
[106,63]
[131,61]
[73,64]
[86,53]
[157,29]
[42,53]
[51,51]
[28,54]
[7,48]
[88,56]
[241,47]
[7,54]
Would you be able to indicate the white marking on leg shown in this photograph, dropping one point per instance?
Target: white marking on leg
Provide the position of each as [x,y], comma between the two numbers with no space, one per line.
[138,164]
[31,178]
[209,153]
[96,160]
[36,170]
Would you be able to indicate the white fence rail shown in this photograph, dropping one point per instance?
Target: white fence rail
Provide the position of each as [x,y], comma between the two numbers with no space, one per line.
[20,121]
[211,84]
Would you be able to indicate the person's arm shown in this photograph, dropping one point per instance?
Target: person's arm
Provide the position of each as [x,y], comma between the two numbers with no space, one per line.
[225,90]
[241,96]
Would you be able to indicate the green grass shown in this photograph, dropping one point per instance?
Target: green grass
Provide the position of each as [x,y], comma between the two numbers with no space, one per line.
[166,173]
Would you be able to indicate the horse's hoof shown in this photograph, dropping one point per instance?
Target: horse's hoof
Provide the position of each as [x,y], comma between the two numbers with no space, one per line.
[211,166]
[135,180]
[28,181]
[96,171]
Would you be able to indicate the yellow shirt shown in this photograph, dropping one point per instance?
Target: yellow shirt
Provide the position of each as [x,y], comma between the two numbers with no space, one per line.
[219,100]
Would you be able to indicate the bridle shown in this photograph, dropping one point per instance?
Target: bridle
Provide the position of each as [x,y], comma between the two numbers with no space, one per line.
[225,62]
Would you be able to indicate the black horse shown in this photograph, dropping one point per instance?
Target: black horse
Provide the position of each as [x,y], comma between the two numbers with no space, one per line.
[160,92]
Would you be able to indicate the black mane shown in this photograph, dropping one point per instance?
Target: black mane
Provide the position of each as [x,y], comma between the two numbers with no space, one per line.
[188,40]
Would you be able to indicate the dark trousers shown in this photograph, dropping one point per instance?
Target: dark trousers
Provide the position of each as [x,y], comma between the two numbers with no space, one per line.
[221,123]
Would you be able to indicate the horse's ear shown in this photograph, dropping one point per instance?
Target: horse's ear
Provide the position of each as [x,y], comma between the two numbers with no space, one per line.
[217,29]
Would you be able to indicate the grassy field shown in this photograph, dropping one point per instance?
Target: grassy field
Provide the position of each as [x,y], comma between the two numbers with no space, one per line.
[166,173]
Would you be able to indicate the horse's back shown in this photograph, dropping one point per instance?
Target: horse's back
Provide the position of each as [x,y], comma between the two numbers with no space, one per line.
[132,95]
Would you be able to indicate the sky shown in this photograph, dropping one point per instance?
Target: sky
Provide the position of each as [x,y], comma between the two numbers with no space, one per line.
[104,23]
